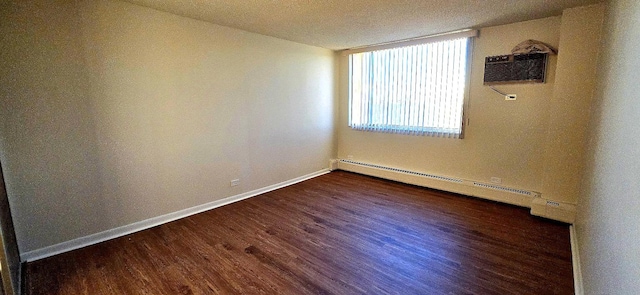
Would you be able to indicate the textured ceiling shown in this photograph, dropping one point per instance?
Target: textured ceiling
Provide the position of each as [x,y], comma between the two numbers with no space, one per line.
[340,24]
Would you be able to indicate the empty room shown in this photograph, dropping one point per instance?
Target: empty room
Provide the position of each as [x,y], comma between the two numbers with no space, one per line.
[319,147]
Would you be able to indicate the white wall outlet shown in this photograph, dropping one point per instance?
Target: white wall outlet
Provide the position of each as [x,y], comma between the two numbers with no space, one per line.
[496,179]
[235,182]
[350,157]
[510,97]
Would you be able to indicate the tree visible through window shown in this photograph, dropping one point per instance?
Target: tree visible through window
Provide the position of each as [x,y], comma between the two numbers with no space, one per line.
[416,89]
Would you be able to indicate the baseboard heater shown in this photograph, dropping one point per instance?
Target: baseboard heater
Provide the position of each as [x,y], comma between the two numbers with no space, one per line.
[520,197]
[492,191]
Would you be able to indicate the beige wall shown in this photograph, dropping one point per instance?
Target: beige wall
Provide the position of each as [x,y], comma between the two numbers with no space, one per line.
[609,210]
[533,143]
[114,113]
[504,139]
[570,105]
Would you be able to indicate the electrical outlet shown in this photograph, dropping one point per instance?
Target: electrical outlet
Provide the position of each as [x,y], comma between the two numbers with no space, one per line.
[496,179]
[235,182]
[350,157]
[510,97]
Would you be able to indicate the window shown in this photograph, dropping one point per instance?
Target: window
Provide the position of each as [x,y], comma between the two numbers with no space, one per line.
[415,89]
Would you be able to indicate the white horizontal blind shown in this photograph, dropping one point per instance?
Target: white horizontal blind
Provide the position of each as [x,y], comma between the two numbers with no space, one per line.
[416,89]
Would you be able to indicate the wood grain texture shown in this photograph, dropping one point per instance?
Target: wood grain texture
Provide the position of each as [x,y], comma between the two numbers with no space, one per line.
[10,256]
[340,233]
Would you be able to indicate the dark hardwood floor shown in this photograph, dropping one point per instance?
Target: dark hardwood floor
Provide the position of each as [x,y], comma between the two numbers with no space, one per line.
[340,233]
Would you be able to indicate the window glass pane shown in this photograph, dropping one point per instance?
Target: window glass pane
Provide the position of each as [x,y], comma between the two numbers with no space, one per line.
[415,89]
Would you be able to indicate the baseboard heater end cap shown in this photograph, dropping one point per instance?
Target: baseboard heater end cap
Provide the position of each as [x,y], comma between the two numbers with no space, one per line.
[333,164]
[554,210]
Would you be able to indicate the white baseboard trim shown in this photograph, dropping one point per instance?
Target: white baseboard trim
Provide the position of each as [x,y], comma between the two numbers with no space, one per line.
[575,259]
[155,221]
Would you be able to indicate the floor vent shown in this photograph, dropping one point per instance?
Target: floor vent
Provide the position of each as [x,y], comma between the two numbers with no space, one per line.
[437,177]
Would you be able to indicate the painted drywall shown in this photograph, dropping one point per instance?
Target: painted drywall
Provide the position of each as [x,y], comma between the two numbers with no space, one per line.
[609,209]
[340,24]
[570,105]
[113,113]
[504,139]
[534,143]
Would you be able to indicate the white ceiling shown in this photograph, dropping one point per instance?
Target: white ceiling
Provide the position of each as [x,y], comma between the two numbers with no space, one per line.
[340,24]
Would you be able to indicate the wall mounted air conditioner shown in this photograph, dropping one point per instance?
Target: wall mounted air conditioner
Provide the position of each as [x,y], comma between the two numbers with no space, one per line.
[519,68]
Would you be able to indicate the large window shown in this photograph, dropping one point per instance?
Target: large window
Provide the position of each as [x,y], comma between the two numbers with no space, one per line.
[417,89]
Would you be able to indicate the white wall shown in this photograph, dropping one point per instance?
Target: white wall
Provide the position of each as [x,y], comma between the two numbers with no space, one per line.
[113,113]
[609,210]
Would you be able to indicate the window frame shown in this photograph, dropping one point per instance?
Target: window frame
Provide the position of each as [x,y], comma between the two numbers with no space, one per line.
[402,129]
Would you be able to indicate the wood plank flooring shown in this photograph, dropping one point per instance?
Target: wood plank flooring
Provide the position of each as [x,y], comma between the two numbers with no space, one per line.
[340,233]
